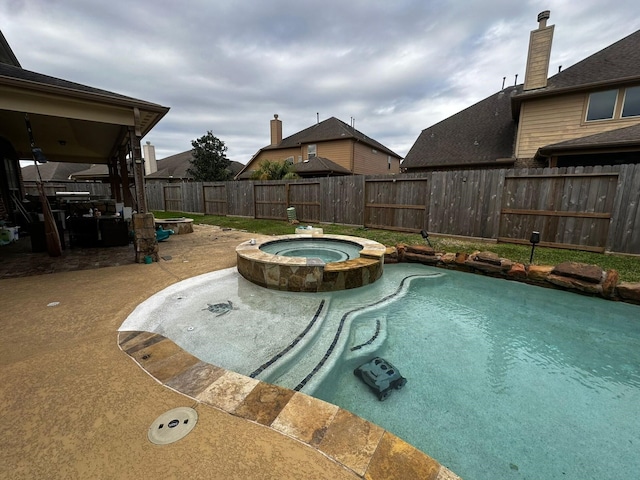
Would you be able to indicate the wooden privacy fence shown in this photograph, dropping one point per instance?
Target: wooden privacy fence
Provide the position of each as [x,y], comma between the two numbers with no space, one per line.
[396,203]
[305,198]
[50,188]
[173,197]
[571,210]
[215,199]
[589,208]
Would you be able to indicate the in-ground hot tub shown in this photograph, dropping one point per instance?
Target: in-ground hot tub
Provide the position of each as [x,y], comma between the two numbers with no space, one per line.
[179,225]
[311,263]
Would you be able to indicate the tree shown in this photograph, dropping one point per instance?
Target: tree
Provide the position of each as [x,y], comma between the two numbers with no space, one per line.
[271,170]
[209,162]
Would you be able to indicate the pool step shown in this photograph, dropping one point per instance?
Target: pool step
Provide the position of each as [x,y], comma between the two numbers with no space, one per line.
[299,357]
[331,340]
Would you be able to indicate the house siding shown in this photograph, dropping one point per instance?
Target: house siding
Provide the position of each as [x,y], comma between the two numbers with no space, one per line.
[553,120]
[338,151]
[369,163]
[275,156]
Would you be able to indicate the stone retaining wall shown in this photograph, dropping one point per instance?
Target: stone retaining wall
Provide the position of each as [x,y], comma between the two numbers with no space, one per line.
[572,276]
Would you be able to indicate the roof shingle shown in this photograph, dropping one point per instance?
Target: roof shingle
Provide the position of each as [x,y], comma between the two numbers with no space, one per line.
[621,137]
[479,135]
[615,64]
[330,129]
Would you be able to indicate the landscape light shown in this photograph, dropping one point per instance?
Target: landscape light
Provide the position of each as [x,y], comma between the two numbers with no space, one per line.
[535,238]
[425,235]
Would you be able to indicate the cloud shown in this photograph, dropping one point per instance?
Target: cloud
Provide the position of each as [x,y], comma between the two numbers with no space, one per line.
[228,66]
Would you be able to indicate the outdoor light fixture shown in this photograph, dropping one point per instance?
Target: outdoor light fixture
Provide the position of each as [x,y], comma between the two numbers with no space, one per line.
[535,238]
[38,156]
[425,235]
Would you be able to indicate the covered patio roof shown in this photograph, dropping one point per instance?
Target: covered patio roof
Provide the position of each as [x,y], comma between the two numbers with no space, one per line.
[70,122]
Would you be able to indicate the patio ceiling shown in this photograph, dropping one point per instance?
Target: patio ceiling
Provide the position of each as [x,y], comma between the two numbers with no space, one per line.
[70,122]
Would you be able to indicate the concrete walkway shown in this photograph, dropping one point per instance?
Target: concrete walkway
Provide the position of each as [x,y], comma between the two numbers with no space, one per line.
[73,405]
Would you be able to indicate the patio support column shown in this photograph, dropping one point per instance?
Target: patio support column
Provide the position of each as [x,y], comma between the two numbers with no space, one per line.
[144,232]
[144,238]
[114,179]
[124,177]
[138,170]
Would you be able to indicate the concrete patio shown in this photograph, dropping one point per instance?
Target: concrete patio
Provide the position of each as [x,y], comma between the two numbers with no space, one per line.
[74,405]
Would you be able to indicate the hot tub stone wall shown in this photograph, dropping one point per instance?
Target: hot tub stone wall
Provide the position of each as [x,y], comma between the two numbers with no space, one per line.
[572,276]
[299,274]
[180,226]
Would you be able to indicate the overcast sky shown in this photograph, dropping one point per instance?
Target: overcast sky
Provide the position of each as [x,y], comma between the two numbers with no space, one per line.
[396,66]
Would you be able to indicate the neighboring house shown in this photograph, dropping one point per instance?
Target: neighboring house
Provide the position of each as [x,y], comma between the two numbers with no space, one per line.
[174,169]
[481,136]
[100,173]
[330,147]
[54,175]
[588,114]
[95,173]
[52,172]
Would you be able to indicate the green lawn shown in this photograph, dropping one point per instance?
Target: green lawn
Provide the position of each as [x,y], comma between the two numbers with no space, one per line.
[627,266]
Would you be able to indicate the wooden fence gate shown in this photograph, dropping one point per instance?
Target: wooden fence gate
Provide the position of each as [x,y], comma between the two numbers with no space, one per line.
[305,198]
[215,199]
[270,200]
[173,198]
[396,203]
[570,210]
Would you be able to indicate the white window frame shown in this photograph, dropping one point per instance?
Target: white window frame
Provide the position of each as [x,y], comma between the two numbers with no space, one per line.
[312,151]
[624,102]
[613,109]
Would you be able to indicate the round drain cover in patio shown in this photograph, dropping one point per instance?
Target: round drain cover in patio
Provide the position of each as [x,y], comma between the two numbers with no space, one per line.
[173,425]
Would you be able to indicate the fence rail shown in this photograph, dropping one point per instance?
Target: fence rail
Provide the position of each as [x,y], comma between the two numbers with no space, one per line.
[589,208]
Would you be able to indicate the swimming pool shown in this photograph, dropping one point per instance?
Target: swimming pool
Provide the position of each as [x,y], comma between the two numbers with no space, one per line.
[504,379]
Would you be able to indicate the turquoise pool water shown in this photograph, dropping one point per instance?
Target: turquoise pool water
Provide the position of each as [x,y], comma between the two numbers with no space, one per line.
[505,380]
[328,250]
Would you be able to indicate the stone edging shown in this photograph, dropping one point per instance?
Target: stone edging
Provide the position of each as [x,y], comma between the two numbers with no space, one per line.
[572,276]
[302,274]
[358,445]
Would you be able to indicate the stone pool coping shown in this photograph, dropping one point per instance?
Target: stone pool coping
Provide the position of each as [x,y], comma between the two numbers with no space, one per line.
[179,225]
[300,274]
[574,277]
[362,447]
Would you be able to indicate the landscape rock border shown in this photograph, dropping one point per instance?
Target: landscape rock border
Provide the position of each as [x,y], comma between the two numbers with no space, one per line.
[576,277]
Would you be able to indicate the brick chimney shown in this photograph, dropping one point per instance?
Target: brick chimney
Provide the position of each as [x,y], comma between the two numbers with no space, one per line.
[276,130]
[149,155]
[539,54]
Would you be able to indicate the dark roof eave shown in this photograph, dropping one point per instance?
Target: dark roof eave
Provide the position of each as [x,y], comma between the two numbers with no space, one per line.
[499,161]
[551,150]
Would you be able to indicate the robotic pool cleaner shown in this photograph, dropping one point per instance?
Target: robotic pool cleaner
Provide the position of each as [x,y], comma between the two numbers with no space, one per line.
[380,376]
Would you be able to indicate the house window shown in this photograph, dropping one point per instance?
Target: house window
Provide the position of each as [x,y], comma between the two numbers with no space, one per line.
[311,151]
[389,162]
[631,106]
[601,105]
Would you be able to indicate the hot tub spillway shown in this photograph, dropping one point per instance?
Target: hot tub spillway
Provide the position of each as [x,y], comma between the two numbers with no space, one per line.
[311,273]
